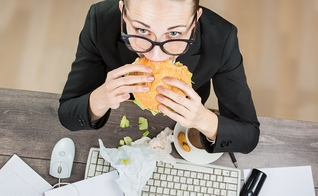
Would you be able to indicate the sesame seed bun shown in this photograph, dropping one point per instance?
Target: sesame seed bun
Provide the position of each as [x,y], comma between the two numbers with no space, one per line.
[147,100]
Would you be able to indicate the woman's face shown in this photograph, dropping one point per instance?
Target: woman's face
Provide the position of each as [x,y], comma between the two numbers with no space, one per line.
[159,20]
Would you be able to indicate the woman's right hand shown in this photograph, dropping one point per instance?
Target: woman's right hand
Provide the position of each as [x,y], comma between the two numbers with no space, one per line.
[117,88]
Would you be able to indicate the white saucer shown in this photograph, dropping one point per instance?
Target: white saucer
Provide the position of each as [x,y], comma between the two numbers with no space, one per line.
[194,156]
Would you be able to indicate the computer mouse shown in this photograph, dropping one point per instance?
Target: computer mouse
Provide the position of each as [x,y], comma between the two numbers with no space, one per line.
[62,158]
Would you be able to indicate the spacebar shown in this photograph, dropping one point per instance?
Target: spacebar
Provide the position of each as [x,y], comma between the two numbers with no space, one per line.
[193,168]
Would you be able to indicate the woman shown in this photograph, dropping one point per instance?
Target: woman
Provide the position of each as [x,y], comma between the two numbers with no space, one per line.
[95,84]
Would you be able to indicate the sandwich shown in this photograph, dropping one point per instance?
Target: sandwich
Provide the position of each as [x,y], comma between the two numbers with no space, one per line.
[147,100]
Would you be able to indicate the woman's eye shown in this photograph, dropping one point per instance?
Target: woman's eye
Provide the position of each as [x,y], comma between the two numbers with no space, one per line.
[142,31]
[174,34]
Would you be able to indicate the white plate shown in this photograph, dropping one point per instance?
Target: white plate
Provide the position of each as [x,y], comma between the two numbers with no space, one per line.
[194,156]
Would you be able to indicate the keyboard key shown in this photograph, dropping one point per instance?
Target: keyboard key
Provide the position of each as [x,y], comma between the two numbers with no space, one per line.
[169,178]
[173,192]
[167,171]
[193,174]
[180,172]
[164,184]
[163,177]
[226,173]
[99,168]
[150,182]
[177,185]
[232,187]
[230,180]
[157,183]
[160,190]
[179,192]
[234,174]
[215,185]
[100,161]
[213,178]
[166,191]
[176,179]
[152,189]
[170,185]
[202,182]
[210,190]
[231,193]
[203,189]
[206,177]
[146,188]
[190,187]
[219,178]
[217,191]
[94,157]
[189,181]
[217,172]
[160,170]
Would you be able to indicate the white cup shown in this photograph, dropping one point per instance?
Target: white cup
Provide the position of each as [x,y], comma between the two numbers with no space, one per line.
[193,139]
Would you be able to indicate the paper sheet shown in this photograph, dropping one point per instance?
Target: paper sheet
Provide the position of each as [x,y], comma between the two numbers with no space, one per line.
[19,179]
[291,181]
[98,186]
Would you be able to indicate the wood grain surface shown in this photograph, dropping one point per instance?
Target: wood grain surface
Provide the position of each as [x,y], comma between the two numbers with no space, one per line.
[29,127]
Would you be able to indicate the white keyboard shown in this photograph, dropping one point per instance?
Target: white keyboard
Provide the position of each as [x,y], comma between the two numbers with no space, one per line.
[182,179]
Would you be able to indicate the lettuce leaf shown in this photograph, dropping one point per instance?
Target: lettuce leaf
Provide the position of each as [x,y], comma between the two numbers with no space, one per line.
[139,104]
[143,123]
[124,122]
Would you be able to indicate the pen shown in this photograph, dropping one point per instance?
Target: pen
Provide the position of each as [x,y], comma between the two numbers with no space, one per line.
[233,159]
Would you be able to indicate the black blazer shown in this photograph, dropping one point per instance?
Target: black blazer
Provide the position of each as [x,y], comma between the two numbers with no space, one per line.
[214,55]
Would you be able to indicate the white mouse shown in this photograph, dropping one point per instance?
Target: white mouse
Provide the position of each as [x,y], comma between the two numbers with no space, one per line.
[62,158]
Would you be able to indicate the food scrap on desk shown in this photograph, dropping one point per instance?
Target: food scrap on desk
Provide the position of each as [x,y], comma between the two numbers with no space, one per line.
[136,163]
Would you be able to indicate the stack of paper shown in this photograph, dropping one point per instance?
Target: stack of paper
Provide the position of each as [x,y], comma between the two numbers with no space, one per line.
[19,179]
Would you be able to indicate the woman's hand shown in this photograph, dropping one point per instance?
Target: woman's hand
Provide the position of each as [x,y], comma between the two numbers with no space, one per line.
[117,88]
[188,111]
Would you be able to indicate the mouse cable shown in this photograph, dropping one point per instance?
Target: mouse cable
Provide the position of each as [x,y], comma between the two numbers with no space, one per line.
[65,183]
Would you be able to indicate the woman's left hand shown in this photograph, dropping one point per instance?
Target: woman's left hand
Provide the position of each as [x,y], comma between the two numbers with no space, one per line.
[187,111]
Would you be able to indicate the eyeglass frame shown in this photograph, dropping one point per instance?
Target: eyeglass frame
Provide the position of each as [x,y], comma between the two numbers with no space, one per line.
[126,36]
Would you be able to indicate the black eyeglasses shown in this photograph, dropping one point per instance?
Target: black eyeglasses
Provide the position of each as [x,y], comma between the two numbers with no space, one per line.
[142,44]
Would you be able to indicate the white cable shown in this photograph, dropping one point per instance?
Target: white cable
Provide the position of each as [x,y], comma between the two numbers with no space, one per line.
[65,183]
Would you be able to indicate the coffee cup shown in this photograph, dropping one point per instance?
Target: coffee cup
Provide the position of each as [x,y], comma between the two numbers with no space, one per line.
[193,139]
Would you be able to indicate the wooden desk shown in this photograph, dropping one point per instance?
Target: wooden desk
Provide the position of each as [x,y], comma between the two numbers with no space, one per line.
[29,127]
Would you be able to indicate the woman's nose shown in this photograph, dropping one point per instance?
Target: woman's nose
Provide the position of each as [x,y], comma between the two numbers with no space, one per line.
[156,54]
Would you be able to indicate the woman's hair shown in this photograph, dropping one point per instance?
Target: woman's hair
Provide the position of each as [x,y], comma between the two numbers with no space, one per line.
[195,4]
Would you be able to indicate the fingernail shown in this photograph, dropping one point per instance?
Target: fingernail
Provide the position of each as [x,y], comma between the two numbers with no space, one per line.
[166,79]
[160,89]
[149,69]
[161,107]
[150,78]
[159,97]
[145,88]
